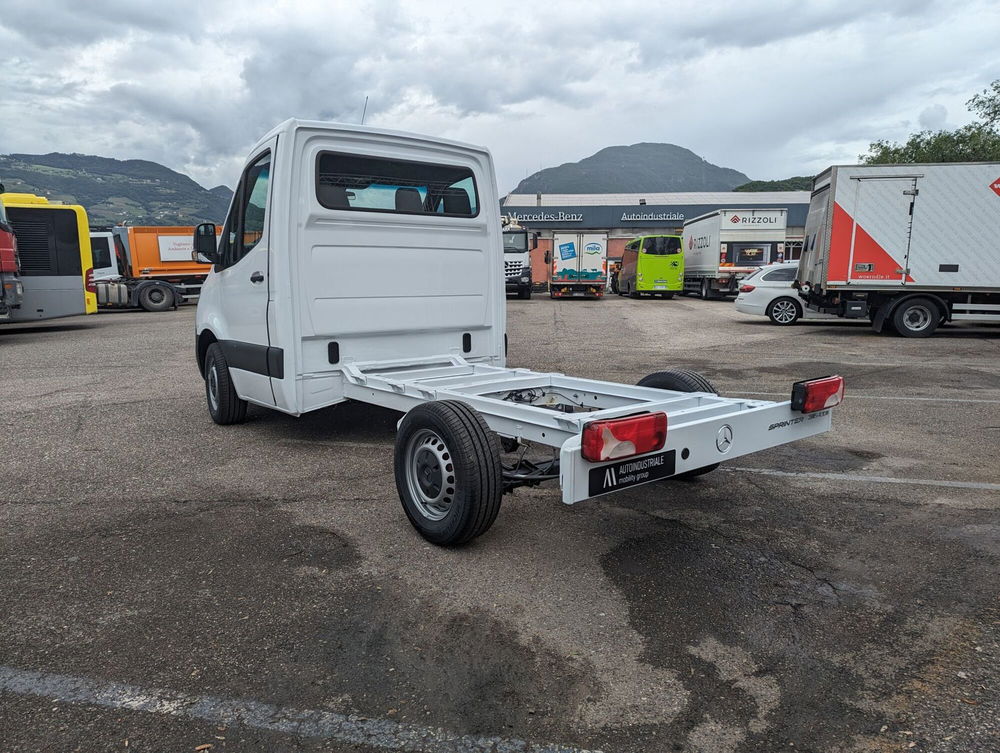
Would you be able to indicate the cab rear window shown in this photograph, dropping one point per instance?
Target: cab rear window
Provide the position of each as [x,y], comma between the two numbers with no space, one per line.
[376,184]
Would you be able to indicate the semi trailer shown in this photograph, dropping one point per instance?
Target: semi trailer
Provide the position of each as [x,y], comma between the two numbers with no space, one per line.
[909,247]
[723,247]
[291,318]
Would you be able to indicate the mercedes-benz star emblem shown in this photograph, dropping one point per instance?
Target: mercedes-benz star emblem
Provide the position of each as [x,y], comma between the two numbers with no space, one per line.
[724,438]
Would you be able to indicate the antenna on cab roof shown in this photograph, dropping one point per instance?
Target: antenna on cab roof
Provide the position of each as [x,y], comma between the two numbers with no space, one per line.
[365,110]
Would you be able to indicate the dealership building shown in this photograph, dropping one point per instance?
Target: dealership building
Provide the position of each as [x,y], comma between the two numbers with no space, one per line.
[616,219]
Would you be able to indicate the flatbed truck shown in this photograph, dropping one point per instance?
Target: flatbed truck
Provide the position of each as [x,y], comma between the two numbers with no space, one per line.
[291,318]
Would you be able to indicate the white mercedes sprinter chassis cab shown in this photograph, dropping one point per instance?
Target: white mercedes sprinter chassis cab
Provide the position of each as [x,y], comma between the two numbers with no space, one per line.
[363,264]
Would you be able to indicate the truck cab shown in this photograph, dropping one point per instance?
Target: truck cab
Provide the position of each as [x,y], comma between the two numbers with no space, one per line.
[11,287]
[516,260]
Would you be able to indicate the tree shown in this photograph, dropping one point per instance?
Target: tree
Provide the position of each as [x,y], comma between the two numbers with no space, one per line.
[798,183]
[976,142]
[987,105]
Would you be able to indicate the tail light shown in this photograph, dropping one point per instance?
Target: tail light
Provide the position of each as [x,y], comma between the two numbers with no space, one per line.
[89,281]
[817,394]
[746,288]
[624,437]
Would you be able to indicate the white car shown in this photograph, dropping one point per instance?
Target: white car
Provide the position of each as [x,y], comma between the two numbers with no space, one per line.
[769,292]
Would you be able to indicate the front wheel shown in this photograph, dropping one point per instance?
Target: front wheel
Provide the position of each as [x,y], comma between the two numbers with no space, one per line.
[784,311]
[524,294]
[706,290]
[682,380]
[224,405]
[448,472]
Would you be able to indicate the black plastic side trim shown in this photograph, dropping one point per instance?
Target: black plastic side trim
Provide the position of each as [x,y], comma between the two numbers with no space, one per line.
[259,359]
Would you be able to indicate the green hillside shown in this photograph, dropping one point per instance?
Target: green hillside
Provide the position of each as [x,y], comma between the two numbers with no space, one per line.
[798,183]
[113,191]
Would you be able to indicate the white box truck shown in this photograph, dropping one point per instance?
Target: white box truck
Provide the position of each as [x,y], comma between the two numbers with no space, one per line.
[579,265]
[291,318]
[908,246]
[723,247]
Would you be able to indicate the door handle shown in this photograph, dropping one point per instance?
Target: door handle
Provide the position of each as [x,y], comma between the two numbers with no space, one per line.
[256,277]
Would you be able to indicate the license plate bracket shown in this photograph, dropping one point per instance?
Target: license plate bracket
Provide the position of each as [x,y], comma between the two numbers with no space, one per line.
[613,477]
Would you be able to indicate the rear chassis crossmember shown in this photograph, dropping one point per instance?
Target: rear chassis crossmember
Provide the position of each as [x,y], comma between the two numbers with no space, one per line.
[552,410]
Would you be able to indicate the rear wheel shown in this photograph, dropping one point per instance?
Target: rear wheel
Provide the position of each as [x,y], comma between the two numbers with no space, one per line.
[682,380]
[706,289]
[784,311]
[224,405]
[156,298]
[917,317]
[448,473]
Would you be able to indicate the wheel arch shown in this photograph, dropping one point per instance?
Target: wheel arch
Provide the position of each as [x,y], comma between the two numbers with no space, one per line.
[202,343]
[888,308]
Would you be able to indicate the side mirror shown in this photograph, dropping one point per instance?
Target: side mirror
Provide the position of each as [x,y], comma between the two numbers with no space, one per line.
[534,241]
[548,257]
[205,243]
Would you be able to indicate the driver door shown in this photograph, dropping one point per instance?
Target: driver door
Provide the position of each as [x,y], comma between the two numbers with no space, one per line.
[244,283]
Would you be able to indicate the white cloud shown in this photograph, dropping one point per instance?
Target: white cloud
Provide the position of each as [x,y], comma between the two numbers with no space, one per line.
[769,88]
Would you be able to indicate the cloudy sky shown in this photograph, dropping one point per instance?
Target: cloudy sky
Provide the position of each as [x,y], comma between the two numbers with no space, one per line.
[771,88]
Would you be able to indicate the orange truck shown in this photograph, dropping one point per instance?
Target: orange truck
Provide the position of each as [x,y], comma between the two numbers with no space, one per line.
[148,267]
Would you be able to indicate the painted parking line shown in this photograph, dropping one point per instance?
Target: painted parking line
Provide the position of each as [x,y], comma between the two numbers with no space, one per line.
[376,733]
[850,396]
[979,485]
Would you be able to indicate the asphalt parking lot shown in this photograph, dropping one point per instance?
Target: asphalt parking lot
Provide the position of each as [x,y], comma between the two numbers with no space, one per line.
[167,584]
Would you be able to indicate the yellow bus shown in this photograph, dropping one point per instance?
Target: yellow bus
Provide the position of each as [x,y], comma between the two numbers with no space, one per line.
[56,264]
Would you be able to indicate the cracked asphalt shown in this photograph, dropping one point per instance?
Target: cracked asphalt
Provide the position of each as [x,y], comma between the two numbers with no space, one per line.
[167,584]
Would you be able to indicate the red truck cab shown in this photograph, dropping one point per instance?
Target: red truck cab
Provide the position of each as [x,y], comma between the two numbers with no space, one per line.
[11,289]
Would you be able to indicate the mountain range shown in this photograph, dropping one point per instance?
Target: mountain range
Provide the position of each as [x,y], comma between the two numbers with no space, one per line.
[113,191]
[146,193]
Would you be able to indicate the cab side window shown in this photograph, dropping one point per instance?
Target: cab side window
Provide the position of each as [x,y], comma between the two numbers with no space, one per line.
[246,222]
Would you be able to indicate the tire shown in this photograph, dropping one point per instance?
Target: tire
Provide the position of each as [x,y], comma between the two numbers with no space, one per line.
[784,311]
[156,298]
[632,292]
[224,405]
[682,380]
[916,317]
[524,293]
[667,296]
[706,291]
[433,438]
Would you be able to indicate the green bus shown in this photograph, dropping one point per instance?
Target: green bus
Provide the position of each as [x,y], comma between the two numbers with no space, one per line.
[652,264]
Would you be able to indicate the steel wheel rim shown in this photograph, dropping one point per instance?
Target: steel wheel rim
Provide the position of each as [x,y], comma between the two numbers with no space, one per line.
[784,312]
[213,388]
[430,474]
[916,318]
[156,295]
